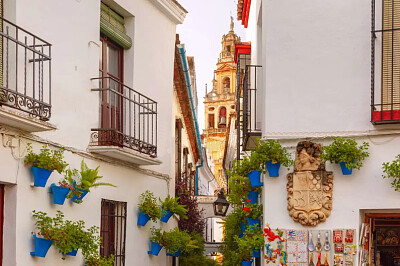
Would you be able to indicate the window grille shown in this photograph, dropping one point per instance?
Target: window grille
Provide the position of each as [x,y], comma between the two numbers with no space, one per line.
[113,230]
[385,44]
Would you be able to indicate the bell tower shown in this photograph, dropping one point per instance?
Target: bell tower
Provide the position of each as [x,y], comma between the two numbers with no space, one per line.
[220,104]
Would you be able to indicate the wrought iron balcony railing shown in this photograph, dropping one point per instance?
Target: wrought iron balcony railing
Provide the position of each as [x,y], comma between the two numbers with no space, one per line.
[251,101]
[127,118]
[25,71]
[214,130]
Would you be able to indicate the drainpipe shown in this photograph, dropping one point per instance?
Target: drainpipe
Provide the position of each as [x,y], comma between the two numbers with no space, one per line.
[182,54]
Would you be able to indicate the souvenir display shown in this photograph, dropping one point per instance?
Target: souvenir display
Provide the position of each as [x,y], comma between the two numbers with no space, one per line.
[275,247]
[345,248]
[323,245]
[296,247]
[327,245]
[311,246]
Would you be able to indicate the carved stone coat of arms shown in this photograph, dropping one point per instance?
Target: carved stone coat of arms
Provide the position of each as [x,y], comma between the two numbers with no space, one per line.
[310,186]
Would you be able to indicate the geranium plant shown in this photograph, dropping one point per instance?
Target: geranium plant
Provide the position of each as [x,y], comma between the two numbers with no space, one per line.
[52,160]
[272,150]
[253,211]
[97,260]
[47,227]
[392,170]
[239,187]
[148,205]
[175,240]
[156,235]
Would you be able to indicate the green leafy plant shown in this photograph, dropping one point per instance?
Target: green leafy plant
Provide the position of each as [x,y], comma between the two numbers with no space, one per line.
[47,159]
[254,211]
[272,150]
[148,205]
[47,227]
[248,164]
[97,260]
[88,178]
[346,150]
[231,230]
[171,204]
[156,235]
[252,239]
[392,170]
[195,256]
[68,235]
[239,187]
[175,240]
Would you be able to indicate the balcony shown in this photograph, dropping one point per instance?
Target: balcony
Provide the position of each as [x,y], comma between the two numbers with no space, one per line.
[214,131]
[25,79]
[127,124]
[251,124]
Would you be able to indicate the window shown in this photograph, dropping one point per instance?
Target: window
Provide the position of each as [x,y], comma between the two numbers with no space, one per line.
[227,83]
[222,118]
[178,148]
[386,40]
[211,123]
[113,230]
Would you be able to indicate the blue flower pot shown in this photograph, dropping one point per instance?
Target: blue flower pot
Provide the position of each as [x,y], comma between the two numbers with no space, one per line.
[253,197]
[40,176]
[166,215]
[273,168]
[72,253]
[155,248]
[256,253]
[41,246]
[76,199]
[143,219]
[59,194]
[247,262]
[345,170]
[254,177]
[176,254]
[253,222]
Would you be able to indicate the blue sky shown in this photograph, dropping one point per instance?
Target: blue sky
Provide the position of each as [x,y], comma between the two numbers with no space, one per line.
[201,33]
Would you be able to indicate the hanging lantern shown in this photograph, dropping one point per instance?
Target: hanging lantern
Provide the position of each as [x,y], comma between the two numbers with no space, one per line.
[221,205]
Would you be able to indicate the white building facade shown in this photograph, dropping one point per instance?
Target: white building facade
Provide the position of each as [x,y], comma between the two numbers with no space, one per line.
[117,114]
[326,72]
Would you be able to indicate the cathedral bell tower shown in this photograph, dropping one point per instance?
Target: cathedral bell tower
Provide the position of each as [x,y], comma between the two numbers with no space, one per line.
[220,103]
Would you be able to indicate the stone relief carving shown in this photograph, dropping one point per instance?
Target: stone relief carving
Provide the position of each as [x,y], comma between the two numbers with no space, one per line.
[310,186]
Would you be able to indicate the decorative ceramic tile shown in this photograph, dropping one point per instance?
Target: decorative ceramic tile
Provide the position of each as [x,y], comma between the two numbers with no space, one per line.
[337,236]
[338,260]
[296,247]
[275,247]
[339,248]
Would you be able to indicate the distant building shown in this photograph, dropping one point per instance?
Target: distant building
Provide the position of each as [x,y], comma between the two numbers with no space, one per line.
[219,104]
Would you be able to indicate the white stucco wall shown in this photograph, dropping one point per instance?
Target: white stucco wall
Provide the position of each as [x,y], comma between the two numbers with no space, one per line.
[73,28]
[316,69]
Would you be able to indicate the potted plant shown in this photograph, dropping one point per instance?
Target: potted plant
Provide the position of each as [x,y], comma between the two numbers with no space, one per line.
[87,179]
[44,163]
[250,167]
[254,239]
[171,206]
[96,260]
[148,208]
[64,187]
[49,231]
[244,251]
[392,170]
[176,241]
[274,155]
[253,212]
[346,153]
[155,241]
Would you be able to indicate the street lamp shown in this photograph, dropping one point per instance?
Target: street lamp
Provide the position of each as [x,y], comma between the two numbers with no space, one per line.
[221,205]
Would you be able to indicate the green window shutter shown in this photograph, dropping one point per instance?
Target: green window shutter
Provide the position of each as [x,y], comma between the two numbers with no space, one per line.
[112,26]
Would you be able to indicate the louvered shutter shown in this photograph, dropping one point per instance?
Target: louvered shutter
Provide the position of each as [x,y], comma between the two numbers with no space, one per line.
[112,26]
[391,55]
